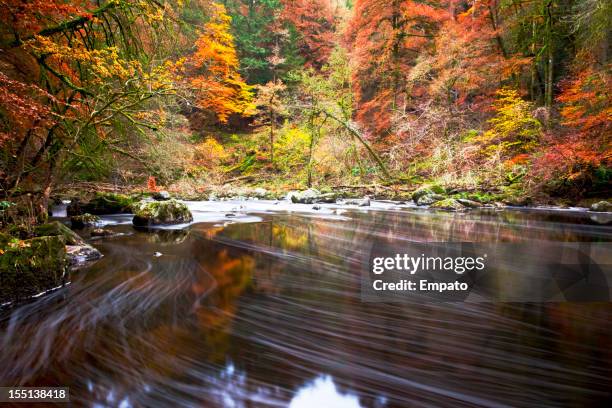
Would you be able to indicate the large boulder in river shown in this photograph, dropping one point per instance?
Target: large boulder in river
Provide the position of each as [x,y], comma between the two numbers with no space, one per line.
[84,221]
[109,203]
[450,204]
[29,267]
[147,213]
[78,252]
[602,206]
[429,199]
[426,190]
[309,196]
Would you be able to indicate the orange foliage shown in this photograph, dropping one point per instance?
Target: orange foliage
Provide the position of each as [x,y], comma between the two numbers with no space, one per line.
[385,38]
[218,85]
[152,185]
[313,19]
[587,114]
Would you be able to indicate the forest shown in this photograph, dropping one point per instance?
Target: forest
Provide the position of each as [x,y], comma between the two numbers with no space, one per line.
[197,196]
[508,100]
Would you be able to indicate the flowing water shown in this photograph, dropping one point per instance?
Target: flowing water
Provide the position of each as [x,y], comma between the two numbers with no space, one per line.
[263,308]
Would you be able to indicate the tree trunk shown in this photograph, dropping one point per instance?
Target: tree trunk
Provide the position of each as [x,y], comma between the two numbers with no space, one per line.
[272,139]
[357,134]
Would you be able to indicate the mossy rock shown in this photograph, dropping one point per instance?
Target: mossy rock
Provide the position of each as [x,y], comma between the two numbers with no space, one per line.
[449,204]
[109,203]
[147,213]
[85,220]
[602,206]
[31,267]
[427,190]
[56,228]
[429,199]
[469,203]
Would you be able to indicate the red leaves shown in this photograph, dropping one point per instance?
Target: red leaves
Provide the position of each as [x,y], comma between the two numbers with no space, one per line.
[152,185]
[385,39]
[585,142]
[314,21]
[25,106]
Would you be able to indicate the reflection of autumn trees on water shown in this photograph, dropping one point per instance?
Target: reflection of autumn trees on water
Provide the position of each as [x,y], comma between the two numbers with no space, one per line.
[258,310]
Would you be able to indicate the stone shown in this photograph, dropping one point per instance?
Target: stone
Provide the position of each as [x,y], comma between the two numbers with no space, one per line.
[429,199]
[161,196]
[56,228]
[260,192]
[365,202]
[426,190]
[449,204]
[31,267]
[602,206]
[80,255]
[309,196]
[148,213]
[101,232]
[84,221]
[109,203]
[469,203]
[74,208]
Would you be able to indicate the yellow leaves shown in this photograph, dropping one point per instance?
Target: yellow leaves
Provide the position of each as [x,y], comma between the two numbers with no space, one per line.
[218,85]
[104,63]
[513,128]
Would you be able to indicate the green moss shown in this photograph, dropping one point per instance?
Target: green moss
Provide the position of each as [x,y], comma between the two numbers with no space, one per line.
[450,204]
[479,196]
[110,203]
[427,190]
[85,220]
[161,212]
[32,266]
[58,229]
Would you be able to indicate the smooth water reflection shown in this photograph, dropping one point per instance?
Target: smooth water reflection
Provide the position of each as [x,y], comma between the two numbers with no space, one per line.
[269,314]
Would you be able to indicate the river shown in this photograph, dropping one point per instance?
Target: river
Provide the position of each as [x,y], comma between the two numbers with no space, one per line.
[259,304]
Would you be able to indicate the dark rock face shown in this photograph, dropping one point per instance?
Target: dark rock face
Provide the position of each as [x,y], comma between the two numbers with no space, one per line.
[31,267]
[74,208]
[147,213]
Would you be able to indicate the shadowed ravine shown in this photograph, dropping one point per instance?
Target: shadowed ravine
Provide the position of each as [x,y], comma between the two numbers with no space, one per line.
[269,313]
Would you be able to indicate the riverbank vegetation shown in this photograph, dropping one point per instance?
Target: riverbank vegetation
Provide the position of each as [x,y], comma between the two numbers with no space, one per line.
[509,99]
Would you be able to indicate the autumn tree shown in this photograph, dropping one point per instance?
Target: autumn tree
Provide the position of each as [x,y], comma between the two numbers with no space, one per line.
[385,38]
[270,106]
[81,74]
[314,22]
[214,76]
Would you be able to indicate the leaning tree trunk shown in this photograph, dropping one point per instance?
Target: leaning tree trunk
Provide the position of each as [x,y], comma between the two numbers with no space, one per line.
[348,126]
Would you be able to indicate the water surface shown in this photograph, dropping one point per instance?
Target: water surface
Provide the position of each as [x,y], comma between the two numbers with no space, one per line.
[263,308]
